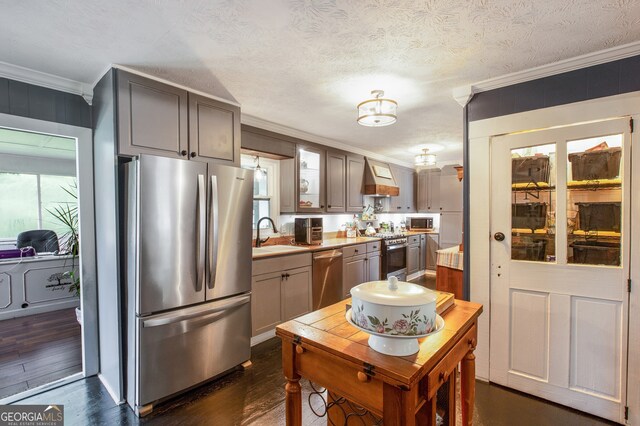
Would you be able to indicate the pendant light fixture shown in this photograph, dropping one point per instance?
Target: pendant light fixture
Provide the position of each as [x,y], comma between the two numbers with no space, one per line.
[377,112]
[425,159]
[259,172]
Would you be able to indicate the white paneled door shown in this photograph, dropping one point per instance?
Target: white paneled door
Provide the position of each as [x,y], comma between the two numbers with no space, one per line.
[560,264]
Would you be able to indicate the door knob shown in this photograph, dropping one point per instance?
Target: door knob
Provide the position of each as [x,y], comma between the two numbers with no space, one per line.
[499,236]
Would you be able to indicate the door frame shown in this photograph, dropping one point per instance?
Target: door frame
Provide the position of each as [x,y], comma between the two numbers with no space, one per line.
[479,175]
[87,261]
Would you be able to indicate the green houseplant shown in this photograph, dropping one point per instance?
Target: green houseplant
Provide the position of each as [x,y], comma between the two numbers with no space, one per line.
[67,214]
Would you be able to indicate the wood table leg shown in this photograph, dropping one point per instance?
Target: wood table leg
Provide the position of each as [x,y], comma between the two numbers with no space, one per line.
[452,397]
[468,387]
[293,395]
[398,406]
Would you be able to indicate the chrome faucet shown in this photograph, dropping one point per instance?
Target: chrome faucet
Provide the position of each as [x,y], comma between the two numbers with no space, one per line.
[273,226]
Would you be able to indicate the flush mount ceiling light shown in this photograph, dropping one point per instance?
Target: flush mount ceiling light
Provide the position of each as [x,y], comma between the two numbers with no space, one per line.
[425,159]
[377,112]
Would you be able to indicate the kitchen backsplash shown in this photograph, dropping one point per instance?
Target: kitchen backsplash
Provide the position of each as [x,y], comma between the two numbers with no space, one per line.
[333,222]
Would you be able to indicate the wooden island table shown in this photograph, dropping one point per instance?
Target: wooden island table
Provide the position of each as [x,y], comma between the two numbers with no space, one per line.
[325,349]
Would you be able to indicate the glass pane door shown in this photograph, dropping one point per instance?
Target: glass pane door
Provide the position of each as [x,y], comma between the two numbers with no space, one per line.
[310,179]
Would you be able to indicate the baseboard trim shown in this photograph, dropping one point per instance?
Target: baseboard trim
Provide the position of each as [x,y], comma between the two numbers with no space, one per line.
[114,395]
[263,337]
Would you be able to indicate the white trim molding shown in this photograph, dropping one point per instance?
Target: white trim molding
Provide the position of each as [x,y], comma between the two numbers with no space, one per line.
[27,75]
[253,121]
[463,94]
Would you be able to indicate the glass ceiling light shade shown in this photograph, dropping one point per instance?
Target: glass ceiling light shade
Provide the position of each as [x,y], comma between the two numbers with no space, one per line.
[259,171]
[425,159]
[377,112]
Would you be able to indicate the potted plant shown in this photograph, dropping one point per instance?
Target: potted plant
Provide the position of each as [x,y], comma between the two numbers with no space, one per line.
[67,215]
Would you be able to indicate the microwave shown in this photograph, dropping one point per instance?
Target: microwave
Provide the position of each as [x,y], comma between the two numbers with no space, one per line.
[308,230]
[420,223]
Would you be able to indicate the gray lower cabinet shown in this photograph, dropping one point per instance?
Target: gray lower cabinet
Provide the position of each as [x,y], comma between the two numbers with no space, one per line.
[374,261]
[423,252]
[336,182]
[413,258]
[161,119]
[433,245]
[355,183]
[354,272]
[280,291]
[152,117]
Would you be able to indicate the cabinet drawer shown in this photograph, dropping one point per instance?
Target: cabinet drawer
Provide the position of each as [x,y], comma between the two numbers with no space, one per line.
[441,372]
[342,377]
[356,250]
[276,264]
[375,246]
[413,239]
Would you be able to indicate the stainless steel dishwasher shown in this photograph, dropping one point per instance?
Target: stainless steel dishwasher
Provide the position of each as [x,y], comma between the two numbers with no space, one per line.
[327,278]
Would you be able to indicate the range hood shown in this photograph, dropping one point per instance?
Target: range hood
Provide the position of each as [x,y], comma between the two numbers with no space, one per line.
[379,180]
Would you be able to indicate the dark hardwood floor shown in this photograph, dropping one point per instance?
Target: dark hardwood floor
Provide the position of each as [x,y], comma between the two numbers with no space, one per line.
[38,349]
[256,397]
[426,280]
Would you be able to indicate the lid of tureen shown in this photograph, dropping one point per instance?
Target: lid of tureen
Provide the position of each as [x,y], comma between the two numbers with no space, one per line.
[393,293]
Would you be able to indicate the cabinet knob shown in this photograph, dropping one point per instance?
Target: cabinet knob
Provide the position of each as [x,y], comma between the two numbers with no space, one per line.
[398,207]
[183,152]
[329,206]
[193,154]
[322,206]
[363,377]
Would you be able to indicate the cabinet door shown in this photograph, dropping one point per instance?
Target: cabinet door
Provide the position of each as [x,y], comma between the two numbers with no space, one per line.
[311,181]
[355,184]
[296,293]
[410,192]
[396,204]
[373,266]
[422,191]
[450,191]
[413,259]
[354,272]
[423,252]
[336,182]
[265,302]
[450,229]
[214,129]
[152,117]
[432,247]
[288,185]
[433,195]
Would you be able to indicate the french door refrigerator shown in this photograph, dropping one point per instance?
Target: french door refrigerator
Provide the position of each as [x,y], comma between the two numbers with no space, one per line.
[188,261]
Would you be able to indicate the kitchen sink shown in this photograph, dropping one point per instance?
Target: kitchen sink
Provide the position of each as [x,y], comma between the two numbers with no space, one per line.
[277,249]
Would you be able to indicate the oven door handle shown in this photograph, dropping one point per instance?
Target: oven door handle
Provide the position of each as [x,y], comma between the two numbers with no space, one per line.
[396,246]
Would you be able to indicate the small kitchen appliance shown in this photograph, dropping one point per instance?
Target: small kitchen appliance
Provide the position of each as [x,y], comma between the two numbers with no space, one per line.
[308,230]
[420,223]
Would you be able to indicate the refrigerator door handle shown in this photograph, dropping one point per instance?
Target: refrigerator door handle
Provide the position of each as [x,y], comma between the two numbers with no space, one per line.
[213,242]
[200,315]
[201,232]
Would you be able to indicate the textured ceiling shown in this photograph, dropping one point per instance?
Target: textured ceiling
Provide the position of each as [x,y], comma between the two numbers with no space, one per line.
[307,63]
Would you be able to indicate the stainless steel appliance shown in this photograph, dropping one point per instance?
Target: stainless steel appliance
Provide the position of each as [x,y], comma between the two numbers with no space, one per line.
[394,255]
[188,263]
[308,230]
[327,278]
[420,223]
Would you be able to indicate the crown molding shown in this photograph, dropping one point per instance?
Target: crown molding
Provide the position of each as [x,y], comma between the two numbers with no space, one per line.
[566,65]
[27,75]
[253,121]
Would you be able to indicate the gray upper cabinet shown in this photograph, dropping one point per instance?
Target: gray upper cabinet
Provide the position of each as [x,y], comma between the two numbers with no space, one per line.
[396,204]
[160,119]
[429,191]
[214,129]
[152,117]
[355,183]
[336,182]
[288,185]
[410,191]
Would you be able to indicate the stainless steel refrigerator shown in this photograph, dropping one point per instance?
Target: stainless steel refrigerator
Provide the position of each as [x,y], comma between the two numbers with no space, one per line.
[188,261]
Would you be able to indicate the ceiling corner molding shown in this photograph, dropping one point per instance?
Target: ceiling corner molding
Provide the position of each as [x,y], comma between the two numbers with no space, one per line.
[260,123]
[27,75]
[566,65]
[463,94]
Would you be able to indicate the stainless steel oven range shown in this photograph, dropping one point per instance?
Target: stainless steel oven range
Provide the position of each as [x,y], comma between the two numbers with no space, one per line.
[394,255]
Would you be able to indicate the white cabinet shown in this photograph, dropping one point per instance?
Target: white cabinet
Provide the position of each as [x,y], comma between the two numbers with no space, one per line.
[280,291]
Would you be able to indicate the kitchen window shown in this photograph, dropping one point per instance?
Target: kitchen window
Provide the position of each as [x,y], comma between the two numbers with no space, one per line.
[26,199]
[266,200]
